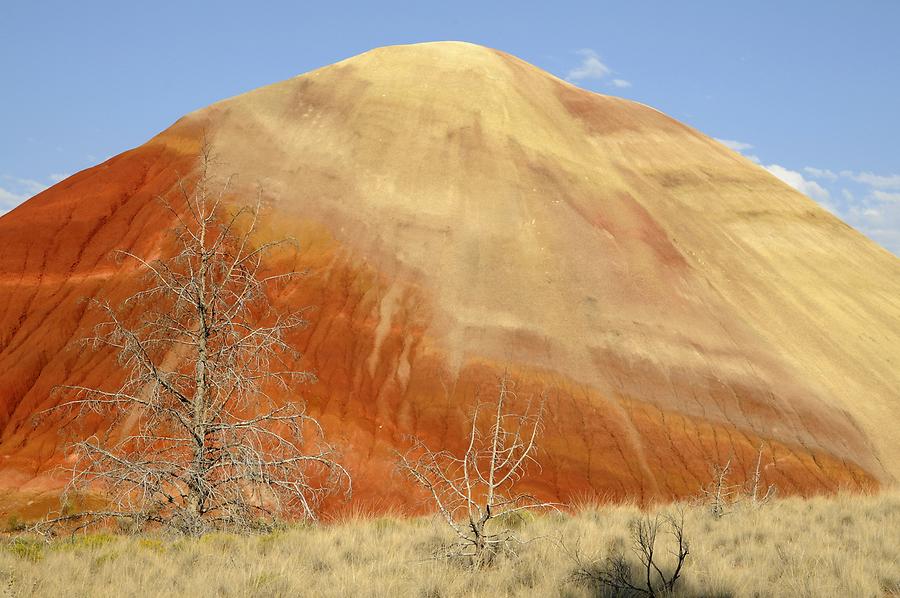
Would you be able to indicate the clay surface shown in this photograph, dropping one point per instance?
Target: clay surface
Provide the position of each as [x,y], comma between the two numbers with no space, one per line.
[464,214]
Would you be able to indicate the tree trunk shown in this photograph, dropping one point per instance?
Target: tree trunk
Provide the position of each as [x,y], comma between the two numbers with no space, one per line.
[196,498]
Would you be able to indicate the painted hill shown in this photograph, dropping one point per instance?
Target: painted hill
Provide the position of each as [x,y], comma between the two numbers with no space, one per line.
[465,213]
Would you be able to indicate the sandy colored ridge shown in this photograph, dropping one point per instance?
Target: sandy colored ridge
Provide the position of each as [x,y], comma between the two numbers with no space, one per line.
[466,213]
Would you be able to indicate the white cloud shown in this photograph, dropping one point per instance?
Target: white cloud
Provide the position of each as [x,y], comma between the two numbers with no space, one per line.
[885,196]
[591,67]
[880,223]
[29,186]
[15,190]
[820,173]
[877,212]
[731,144]
[800,183]
[9,200]
[891,181]
[739,147]
[58,176]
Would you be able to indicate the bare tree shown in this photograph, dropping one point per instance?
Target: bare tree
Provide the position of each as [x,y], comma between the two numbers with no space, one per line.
[475,493]
[197,438]
[721,496]
[654,578]
[753,487]
[719,493]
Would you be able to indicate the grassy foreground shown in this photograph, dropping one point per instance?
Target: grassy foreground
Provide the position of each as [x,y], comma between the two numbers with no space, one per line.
[844,545]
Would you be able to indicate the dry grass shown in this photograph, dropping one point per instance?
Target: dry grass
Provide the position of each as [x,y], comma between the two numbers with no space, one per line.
[846,545]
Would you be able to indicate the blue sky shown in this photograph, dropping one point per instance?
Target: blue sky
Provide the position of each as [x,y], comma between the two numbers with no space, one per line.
[811,89]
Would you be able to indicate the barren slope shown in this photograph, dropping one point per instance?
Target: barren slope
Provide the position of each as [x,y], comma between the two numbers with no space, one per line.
[466,213]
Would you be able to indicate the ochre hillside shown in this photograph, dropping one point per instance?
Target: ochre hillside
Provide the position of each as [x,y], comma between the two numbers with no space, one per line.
[464,214]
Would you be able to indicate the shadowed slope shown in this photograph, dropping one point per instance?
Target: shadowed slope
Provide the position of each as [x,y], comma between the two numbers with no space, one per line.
[466,213]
